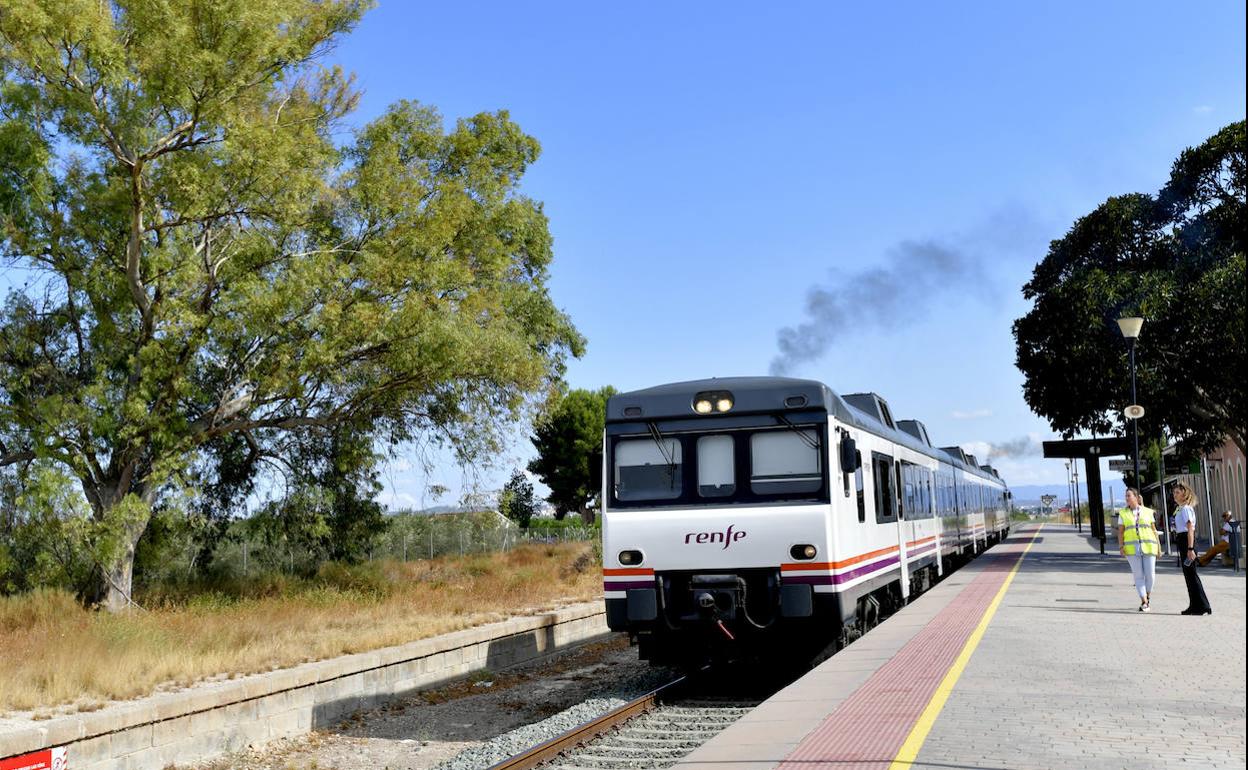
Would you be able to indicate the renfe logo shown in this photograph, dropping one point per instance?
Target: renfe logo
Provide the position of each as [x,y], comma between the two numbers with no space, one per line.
[727,537]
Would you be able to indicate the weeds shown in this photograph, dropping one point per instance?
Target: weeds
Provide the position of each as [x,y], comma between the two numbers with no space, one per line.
[53,652]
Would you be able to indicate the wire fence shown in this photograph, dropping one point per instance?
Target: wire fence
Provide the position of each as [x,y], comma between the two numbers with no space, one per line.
[407,537]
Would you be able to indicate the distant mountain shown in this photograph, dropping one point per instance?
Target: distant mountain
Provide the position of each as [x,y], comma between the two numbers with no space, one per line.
[1029,494]
[434,511]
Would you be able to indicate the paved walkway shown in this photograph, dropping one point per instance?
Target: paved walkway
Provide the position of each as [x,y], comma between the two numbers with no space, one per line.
[1066,674]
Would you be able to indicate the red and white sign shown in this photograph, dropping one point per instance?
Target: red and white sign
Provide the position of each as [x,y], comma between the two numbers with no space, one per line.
[48,759]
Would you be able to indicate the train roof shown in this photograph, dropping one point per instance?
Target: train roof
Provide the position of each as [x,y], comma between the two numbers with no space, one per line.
[772,395]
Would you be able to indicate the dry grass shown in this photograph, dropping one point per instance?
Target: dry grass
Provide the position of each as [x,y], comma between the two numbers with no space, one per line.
[55,653]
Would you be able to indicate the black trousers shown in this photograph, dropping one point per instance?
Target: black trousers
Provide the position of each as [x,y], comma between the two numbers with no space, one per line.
[1196,599]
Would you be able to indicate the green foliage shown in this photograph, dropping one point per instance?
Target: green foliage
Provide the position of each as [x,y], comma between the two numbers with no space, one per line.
[330,514]
[1176,259]
[568,438]
[552,526]
[518,501]
[219,279]
[46,537]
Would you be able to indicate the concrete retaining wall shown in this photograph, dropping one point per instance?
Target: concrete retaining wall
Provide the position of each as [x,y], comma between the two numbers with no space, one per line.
[209,720]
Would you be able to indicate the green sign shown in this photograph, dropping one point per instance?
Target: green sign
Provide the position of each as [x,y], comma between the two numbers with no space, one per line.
[1176,467]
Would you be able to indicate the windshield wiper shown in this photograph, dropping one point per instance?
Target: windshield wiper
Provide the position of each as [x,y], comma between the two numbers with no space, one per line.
[671,459]
[813,443]
[658,441]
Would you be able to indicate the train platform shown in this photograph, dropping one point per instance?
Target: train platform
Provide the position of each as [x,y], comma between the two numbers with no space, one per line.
[1032,656]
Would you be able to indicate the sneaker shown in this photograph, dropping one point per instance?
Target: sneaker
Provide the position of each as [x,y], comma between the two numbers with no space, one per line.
[1146,608]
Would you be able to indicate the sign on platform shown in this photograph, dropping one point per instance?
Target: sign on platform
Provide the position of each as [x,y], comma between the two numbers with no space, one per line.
[1178,468]
[48,759]
[1122,465]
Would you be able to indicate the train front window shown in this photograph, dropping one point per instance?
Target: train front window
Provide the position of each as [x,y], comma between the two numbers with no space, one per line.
[785,462]
[716,477]
[679,465]
[648,469]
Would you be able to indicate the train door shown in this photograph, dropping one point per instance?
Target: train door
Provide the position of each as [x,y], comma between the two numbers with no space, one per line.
[904,525]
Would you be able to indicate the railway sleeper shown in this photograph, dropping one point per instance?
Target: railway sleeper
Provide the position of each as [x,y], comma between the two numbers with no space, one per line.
[610,751]
[590,762]
[625,736]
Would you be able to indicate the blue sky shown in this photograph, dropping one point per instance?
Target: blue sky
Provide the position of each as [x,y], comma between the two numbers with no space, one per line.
[705,166]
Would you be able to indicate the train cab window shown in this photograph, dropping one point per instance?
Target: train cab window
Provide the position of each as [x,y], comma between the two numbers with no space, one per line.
[785,462]
[858,484]
[646,469]
[716,469]
[885,488]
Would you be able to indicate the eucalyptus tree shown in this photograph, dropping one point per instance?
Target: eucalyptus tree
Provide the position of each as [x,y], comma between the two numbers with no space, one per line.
[209,254]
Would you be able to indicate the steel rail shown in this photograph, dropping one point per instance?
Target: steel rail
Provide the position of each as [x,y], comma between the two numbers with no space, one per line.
[582,734]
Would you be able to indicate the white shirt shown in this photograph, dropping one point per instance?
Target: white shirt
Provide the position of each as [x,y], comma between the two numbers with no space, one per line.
[1226,532]
[1182,517]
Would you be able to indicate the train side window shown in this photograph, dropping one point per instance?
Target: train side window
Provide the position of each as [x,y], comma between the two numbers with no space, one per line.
[716,467]
[646,469]
[885,488]
[858,483]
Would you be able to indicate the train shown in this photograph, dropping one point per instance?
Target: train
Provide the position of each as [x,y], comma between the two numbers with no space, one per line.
[746,515]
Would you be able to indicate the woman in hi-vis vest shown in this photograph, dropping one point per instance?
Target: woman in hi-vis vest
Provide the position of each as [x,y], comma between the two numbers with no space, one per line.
[1185,525]
[1137,540]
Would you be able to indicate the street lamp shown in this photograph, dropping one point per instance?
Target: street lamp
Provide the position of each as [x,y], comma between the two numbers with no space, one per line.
[1131,330]
[1070,493]
[1078,513]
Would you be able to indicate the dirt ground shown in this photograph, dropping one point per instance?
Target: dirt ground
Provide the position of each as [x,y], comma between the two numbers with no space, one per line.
[422,730]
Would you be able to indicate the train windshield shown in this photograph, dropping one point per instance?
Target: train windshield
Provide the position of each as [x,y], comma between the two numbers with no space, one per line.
[766,464]
[785,462]
[648,469]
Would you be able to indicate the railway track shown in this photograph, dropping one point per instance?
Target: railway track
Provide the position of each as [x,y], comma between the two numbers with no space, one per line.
[649,733]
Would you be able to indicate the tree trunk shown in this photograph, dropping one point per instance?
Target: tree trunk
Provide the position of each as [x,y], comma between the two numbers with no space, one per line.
[115,572]
[116,582]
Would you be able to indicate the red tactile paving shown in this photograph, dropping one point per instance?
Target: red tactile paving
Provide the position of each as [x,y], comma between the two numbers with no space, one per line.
[868,728]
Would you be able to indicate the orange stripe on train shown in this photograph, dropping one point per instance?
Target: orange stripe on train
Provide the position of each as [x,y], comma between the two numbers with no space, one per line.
[823,565]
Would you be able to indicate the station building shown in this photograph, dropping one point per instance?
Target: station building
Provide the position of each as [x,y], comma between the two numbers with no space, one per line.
[1217,478]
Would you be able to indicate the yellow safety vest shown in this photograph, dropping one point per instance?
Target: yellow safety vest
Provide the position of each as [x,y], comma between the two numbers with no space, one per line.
[1138,535]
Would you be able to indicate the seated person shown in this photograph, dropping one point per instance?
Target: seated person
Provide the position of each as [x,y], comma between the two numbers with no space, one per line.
[1223,544]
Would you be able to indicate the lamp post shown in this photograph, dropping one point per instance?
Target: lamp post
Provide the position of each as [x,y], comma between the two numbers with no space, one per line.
[1070,493]
[1130,328]
[1078,513]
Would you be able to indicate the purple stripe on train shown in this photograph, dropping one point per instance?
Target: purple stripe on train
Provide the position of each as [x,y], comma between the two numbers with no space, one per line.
[624,585]
[844,577]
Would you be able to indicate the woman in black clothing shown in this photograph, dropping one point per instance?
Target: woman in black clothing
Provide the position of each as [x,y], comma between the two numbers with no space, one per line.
[1185,525]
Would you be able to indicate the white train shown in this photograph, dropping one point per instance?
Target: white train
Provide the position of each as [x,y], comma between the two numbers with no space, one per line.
[740,513]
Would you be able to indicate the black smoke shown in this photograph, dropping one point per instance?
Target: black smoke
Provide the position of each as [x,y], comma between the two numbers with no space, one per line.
[1024,446]
[915,276]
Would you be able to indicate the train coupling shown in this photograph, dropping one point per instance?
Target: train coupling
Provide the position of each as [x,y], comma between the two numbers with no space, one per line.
[717,597]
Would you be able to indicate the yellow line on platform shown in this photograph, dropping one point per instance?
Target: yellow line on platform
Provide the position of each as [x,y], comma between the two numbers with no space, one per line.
[918,734]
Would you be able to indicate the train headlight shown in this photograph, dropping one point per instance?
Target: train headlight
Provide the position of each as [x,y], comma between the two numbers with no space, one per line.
[629,558]
[709,401]
[803,552]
